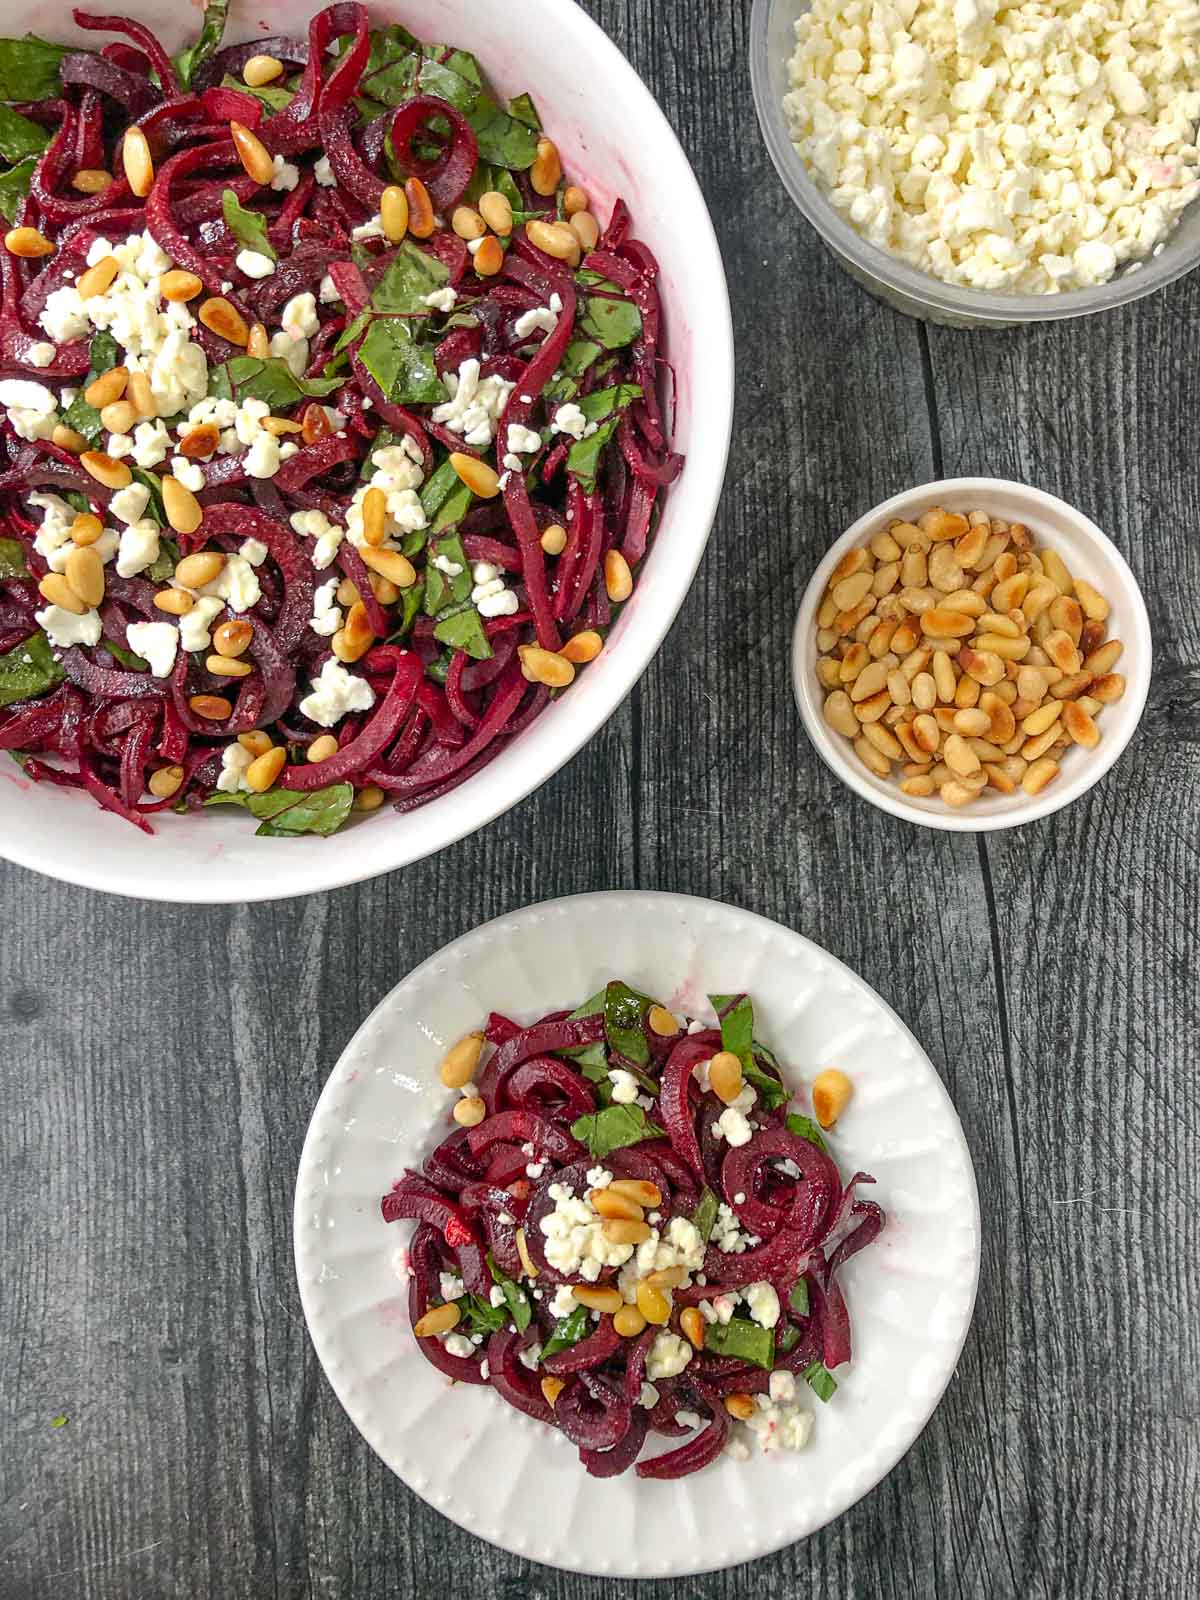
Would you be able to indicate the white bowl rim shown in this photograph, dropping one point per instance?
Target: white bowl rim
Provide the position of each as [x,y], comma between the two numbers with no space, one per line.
[837,754]
[319,865]
[947,300]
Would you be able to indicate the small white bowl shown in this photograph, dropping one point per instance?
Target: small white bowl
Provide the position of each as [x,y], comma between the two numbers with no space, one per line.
[1088,554]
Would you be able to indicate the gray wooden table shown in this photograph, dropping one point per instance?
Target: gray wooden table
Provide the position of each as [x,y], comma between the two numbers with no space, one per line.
[160,1064]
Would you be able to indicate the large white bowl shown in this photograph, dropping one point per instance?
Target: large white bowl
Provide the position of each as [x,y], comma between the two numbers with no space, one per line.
[614,139]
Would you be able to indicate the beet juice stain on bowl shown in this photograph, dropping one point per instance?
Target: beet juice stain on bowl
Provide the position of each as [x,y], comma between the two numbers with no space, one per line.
[629,1233]
[340,409]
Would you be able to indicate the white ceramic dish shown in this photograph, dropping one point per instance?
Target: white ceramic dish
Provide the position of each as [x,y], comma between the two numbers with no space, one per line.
[1086,552]
[905,288]
[509,1479]
[614,137]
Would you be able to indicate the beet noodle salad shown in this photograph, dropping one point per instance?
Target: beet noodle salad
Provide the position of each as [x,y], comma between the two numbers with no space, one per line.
[629,1233]
[331,422]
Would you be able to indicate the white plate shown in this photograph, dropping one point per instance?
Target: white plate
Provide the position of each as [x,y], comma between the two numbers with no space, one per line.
[513,1481]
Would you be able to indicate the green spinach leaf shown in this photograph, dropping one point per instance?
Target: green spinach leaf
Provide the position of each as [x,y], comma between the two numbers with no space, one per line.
[577,358]
[12,559]
[270,379]
[515,1297]
[614,323]
[705,1214]
[411,602]
[624,1012]
[275,96]
[28,669]
[567,1331]
[736,1012]
[798,1299]
[104,353]
[821,1381]
[524,110]
[583,459]
[320,811]
[207,44]
[14,186]
[503,140]
[440,590]
[614,1128]
[402,368]
[249,228]
[165,562]
[20,138]
[462,629]
[125,657]
[29,68]
[410,276]
[743,1339]
[806,1128]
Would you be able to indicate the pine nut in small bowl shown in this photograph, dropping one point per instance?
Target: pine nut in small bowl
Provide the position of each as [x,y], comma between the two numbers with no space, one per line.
[972,654]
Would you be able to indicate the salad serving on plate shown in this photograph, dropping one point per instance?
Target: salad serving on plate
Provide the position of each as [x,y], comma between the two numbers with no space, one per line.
[629,1232]
[331,428]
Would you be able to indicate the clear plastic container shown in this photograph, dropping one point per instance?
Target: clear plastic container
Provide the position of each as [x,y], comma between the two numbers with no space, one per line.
[919,294]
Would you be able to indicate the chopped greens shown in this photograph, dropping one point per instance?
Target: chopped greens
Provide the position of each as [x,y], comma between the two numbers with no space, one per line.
[624,1013]
[28,669]
[705,1214]
[743,1339]
[104,353]
[411,274]
[14,186]
[207,44]
[12,559]
[821,1381]
[514,1296]
[567,1331]
[267,378]
[20,138]
[285,813]
[614,1128]
[402,368]
[462,629]
[248,227]
[737,1035]
[806,1128]
[798,1299]
[615,323]
[29,68]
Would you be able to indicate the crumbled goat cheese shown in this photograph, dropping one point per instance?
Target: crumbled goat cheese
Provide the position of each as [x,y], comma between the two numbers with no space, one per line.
[327,615]
[336,693]
[779,1425]
[523,441]
[138,548]
[530,1357]
[31,407]
[64,628]
[539,319]
[563,1302]
[254,264]
[456,1344]
[324,173]
[193,627]
[576,1244]
[291,349]
[189,473]
[1025,147]
[156,643]
[235,763]
[285,176]
[764,1304]
[571,419]
[475,404]
[624,1086]
[669,1355]
[451,1286]
[442,299]
[299,317]
[41,354]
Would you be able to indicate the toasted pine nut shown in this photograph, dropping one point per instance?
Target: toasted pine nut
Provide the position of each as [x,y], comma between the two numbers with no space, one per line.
[228,667]
[393,212]
[1056,570]
[224,319]
[1039,775]
[582,647]
[323,747]
[839,714]
[91,180]
[629,1322]
[260,70]
[692,1323]
[314,423]
[212,707]
[497,212]
[257,741]
[374,516]
[586,229]
[666,1277]
[972,724]
[831,1093]
[600,1299]
[119,417]
[574,199]
[421,221]
[527,1262]
[438,1319]
[257,342]
[941,524]
[55,588]
[617,1206]
[86,529]
[959,756]
[137,162]
[175,602]
[233,639]
[489,258]
[107,388]
[1109,688]
[349,648]
[740,1406]
[653,1304]
[140,395]
[180,285]
[279,425]
[874,760]
[619,1230]
[459,1062]
[470,1111]
[1080,726]
[919,787]
[390,564]
[725,1076]
[200,442]
[98,278]
[112,474]
[476,474]
[1095,606]
[165,782]
[554,539]
[84,571]
[545,666]
[193,572]
[252,153]
[661,1021]
[1105,658]
[1038,744]
[985,666]
[67,439]
[618,580]
[263,770]
[27,243]
[347,593]
[551,1389]
[638,1189]
[956,792]
[939,623]
[851,590]
[554,239]
[546,173]
[467,223]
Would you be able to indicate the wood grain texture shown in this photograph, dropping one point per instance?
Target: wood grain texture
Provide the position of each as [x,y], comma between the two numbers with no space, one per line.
[161,1064]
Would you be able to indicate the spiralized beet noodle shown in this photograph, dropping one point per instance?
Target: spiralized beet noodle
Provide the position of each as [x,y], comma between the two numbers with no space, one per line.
[504,395]
[734,1219]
